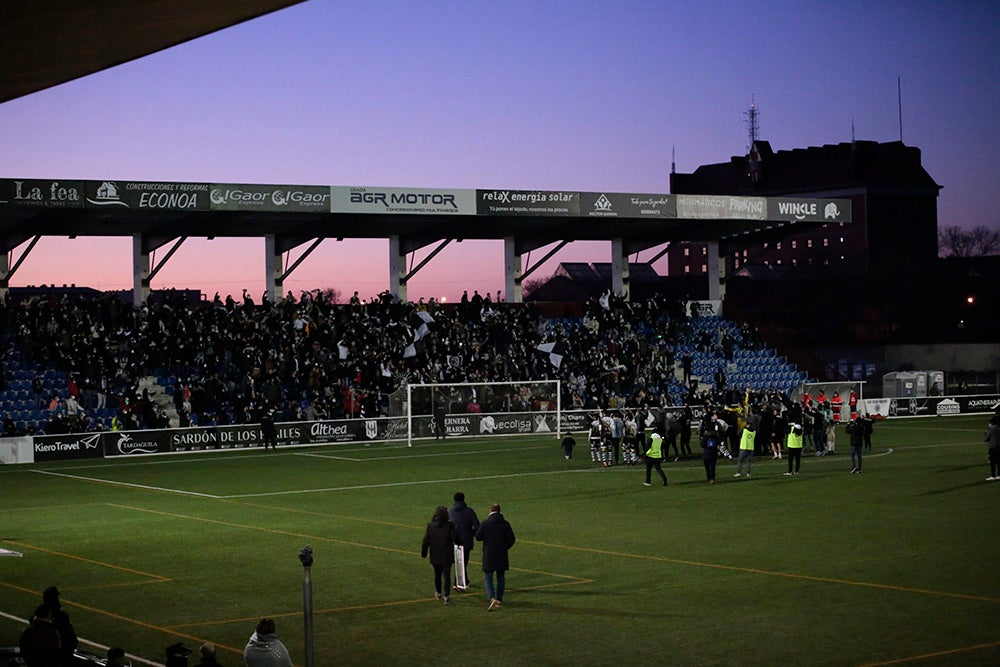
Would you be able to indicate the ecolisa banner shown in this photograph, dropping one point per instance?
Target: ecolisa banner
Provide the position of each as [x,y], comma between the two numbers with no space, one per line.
[411,201]
[147,196]
[616,205]
[270,198]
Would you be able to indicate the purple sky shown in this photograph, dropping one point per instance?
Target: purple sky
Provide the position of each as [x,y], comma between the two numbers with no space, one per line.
[569,95]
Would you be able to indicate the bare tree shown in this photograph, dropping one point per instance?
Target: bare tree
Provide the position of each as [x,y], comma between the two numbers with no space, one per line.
[531,284]
[955,241]
[332,294]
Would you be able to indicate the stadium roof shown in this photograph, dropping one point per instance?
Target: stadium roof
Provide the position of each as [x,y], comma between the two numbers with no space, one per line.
[44,43]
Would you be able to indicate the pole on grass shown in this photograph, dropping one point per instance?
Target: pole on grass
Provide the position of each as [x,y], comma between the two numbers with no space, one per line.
[306,556]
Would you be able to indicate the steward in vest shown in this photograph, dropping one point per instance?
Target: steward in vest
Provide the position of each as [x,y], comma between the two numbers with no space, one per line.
[653,456]
[747,440]
[794,448]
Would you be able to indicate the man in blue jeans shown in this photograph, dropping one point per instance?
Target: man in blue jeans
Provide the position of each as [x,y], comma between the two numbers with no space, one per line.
[497,537]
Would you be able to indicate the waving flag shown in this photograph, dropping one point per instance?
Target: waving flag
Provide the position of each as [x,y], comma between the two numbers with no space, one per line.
[555,352]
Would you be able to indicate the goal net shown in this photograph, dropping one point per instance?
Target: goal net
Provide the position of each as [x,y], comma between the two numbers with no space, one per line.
[482,409]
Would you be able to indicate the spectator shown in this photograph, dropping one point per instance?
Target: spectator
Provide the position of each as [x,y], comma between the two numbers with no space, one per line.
[264,649]
[466,523]
[39,643]
[207,655]
[439,543]
[497,537]
[177,655]
[60,619]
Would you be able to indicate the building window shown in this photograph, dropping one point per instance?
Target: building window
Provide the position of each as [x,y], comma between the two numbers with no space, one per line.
[826,243]
[795,244]
[704,268]
[809,243]
[687,269]
[687,252]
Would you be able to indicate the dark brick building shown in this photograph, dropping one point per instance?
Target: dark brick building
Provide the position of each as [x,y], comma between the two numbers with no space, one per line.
[871,279]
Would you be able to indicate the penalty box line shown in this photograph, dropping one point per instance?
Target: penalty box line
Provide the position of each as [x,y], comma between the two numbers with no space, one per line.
[397,484]
[132,485]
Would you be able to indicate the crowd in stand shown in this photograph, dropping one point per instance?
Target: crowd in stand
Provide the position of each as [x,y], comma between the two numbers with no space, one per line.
[307,358]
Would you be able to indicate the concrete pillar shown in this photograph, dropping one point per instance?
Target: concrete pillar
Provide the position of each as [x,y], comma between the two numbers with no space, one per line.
[397,269]
[272,269]
[511,271]
[4,276]
[619,269]
[716,272]
[140,272]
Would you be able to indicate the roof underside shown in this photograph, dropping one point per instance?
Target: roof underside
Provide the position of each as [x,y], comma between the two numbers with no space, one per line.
[44,43]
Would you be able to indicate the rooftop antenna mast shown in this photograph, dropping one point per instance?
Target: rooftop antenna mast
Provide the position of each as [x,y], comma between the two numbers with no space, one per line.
[753,123]
[673,159]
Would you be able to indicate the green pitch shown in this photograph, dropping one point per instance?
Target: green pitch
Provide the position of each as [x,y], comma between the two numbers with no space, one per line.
[898,565]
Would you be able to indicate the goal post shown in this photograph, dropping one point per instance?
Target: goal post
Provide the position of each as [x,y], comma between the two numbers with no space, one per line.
[483,409]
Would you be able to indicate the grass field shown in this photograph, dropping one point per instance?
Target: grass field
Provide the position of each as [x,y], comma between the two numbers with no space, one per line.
[898,565]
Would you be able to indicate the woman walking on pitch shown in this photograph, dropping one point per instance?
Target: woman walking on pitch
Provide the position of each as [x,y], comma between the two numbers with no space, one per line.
[439,542]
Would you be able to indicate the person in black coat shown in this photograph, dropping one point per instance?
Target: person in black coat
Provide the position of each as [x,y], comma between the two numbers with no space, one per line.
[268,429]
[67,635]
[439,542]
[466,523]
[497,537]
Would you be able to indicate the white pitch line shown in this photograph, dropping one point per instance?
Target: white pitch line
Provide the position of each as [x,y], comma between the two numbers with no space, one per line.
[422,456]
[128,484]
[331,456]
[391,484]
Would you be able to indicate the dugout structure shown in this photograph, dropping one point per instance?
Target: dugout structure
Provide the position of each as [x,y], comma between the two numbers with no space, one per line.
[482,409]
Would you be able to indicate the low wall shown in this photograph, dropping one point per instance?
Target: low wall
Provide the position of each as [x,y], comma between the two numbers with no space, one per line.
[947,357]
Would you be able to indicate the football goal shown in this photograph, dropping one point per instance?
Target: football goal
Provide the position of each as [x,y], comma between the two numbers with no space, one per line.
[482,409]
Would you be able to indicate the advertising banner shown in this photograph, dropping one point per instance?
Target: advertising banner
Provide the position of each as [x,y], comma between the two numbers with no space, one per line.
[612,205]
[143,196]
[943,405]
[70,446]
[721,207]
[42,194]
[703,308]
[812,210]
[131,443]
[239,436]
[410,201]
[270,198]
[19,449]
[527,202]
